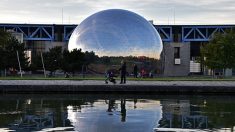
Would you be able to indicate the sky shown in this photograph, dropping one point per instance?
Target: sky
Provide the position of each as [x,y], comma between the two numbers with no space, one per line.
[162,12]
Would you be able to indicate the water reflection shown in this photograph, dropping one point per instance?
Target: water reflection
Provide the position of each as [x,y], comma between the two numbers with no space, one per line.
[182,114]
[116,113]
[112,107]
[37,121]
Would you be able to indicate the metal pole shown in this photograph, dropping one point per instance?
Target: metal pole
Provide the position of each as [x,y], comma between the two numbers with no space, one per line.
[174,15]
[19,62]
[43,66]
[62,16]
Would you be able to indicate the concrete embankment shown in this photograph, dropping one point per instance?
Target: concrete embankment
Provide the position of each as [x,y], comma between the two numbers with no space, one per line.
[92,86]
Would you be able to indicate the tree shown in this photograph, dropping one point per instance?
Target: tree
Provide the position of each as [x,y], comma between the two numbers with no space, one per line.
[4,37]
[53,59]
[72,61]
[36,63]
[89,57]
[12,47]
[8,52]
[2,59]
[105,60]
[219,53]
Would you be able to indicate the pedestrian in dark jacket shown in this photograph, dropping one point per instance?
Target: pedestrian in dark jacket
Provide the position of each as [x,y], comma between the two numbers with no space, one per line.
[123,72]
[135,71]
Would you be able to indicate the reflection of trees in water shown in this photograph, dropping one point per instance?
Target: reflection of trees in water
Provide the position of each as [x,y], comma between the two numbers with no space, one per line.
[216,112]
[30,114]
[220,112]
[149,64]
[36,114]
[9,111]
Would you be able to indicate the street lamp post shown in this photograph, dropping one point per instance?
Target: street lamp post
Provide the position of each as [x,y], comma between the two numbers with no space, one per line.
[19,63]
[43,65]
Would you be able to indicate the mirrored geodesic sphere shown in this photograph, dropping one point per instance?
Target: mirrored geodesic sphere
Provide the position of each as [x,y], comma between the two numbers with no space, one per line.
[117,32]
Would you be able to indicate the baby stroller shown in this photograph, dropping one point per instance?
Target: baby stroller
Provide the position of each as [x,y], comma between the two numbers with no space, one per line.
[110,76]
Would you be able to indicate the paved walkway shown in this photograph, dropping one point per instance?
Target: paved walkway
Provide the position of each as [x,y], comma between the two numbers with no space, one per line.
[130,86]
[95,82]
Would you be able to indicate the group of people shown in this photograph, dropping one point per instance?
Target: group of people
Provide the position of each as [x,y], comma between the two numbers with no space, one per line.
[123,73]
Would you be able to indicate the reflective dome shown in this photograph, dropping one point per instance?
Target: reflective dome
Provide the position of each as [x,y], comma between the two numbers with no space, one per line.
[117,32]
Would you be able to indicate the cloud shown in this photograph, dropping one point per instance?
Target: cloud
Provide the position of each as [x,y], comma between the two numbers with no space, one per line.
[162,12]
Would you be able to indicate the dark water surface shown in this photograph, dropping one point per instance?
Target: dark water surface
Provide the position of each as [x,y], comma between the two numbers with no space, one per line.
[116,113]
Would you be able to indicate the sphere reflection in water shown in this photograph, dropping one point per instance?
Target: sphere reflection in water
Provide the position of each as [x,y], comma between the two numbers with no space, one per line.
[117,32]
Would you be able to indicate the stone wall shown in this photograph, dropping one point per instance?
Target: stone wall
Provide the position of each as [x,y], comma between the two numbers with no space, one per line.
[169,66]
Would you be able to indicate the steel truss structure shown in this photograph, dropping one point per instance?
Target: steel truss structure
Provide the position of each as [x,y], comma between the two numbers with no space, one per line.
[202,33]
[39,32]
[32,32]
[68,30]
[165,32]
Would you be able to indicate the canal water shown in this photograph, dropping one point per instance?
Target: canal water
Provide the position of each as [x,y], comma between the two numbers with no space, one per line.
[116,113]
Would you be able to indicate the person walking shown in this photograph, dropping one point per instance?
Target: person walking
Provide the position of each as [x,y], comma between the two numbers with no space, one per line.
[123,72]
[135,71]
